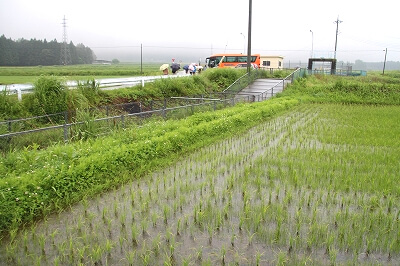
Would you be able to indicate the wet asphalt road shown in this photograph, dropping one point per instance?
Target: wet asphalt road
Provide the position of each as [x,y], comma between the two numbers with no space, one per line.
[262,89]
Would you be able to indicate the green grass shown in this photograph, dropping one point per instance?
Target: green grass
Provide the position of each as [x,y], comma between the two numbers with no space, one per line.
[282,192]
[16,75]
[300,179]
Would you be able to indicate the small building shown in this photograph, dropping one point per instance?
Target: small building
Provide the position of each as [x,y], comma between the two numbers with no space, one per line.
[101,62]
[271,62]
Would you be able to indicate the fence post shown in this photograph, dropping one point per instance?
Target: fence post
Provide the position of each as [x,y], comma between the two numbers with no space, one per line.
[164,108]
[19,94]
[123,121]
[65,132]
[66,117]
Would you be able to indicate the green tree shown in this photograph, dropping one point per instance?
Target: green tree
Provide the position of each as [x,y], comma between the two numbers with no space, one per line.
[37,52]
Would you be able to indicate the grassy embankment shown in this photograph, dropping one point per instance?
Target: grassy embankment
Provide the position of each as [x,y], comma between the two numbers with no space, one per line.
[88,102]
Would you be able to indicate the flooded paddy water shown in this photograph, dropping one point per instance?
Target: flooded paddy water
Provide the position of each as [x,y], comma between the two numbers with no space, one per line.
[268,196]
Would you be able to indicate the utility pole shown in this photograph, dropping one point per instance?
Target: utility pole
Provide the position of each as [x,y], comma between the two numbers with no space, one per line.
[65,52]
[384,62]
[312,44]
[337,32]
[141,58]
[249,39]
[244,43]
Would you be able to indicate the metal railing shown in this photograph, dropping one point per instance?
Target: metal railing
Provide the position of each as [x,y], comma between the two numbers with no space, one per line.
[337,72]
[242,82]
[298,73]
[122,120]
[104,84]
[122,114]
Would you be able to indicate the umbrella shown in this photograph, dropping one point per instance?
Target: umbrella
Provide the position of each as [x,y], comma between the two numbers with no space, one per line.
[175,67]
[164,66]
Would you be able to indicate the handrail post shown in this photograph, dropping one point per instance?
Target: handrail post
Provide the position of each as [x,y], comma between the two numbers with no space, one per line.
[164,108]
[66,117]
[123,121]
[65,132]
[19,93]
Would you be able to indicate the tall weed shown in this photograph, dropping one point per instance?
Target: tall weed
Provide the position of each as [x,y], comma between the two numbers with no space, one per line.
[10,107]
[49,96]
[90,89]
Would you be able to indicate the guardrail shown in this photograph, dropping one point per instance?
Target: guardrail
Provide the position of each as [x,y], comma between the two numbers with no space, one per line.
[104,84]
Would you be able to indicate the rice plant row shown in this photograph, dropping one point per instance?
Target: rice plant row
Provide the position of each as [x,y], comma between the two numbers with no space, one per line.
[296,189]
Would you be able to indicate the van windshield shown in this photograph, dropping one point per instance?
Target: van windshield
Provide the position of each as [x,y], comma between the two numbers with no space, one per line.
[213,61]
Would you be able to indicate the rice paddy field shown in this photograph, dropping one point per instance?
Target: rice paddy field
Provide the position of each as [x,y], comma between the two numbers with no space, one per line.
[28,74]
[315,185]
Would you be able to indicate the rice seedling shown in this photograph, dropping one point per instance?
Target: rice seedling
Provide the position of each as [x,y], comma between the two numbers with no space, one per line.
[266,188]
[81,253]
[131,257]
[258,258]
[144,225]
[222,255]
[134,234]
[156,244]
[145,257]
[166,211]
[42,240]
[96,254]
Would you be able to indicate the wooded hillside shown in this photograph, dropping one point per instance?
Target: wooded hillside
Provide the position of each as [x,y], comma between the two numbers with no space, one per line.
[37,52]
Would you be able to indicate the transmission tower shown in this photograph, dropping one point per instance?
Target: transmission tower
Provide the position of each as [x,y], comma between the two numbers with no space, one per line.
[65,52]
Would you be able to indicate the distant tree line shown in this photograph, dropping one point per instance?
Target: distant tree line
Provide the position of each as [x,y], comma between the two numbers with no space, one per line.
[37,52]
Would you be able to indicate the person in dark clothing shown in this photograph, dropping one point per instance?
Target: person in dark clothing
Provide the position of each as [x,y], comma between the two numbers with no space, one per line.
[186,68]
[175,67]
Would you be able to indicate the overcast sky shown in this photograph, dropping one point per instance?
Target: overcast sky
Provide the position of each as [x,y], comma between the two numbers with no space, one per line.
[199,28]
